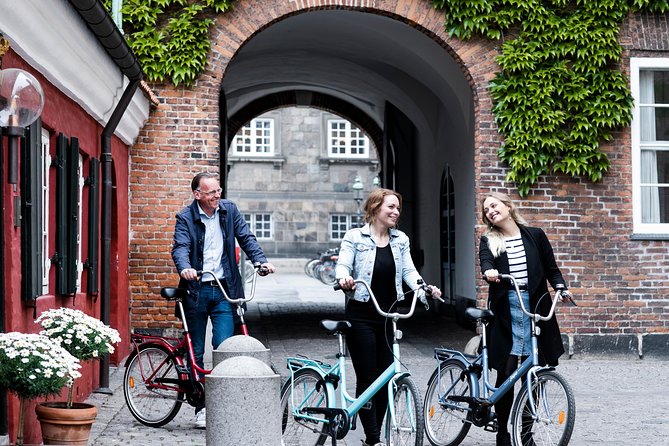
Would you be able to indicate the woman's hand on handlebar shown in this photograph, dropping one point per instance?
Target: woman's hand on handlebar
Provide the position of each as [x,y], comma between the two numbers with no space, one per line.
[491,275]
[346,283]
[433,291]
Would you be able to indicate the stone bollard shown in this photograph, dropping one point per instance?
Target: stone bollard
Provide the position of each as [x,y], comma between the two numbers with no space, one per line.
[241,345]
[243,404]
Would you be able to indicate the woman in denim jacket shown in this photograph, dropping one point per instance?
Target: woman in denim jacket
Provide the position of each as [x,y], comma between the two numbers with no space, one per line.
[377,253]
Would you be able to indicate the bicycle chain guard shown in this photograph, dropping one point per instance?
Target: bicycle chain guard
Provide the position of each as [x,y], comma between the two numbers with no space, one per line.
[195,396]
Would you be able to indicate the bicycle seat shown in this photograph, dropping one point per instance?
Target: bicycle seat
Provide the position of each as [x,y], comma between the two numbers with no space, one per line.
[170,293]
[478,313]
[332,327]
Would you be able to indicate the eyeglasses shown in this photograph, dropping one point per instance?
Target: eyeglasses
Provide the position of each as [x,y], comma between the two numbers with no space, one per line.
[211,193]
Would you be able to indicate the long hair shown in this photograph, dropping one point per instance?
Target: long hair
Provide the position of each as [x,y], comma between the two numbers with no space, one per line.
[492,233]
[375,201]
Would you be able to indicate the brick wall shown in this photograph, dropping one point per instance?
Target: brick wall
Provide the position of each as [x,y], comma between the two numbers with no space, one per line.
[620,283]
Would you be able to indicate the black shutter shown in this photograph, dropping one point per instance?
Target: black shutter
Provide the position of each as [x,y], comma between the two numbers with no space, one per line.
[73,215]
[93,225]
[31,199]
[61,257]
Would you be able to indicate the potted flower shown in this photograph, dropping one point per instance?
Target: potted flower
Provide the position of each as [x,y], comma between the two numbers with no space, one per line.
[33,366]
[85,338]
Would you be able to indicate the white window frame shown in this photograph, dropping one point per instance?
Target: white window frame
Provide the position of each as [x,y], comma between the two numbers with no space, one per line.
[46,166]
[636,66]
[256,222]
[345,140]
[348,225]
[255,138]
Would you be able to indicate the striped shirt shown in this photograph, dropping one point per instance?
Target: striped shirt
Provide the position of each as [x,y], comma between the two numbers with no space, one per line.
[515,251]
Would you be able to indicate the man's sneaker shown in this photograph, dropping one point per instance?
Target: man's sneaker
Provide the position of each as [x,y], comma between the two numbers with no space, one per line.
[201,419]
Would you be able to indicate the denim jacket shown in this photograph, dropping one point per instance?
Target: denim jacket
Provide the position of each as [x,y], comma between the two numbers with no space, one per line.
[358,254]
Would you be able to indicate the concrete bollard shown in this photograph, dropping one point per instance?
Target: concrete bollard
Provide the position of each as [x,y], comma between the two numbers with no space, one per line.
[243,404]
[241,345]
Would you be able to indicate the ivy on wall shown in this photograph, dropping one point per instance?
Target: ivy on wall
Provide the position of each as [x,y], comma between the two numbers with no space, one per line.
[559,94]
[170,38]
[560,91]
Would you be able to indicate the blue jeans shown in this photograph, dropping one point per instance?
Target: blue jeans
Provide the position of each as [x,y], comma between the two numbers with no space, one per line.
[210,304]
[520,325]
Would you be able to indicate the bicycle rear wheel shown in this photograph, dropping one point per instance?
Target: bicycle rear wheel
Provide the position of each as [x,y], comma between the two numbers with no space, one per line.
[151,386]
[409,425]
[302,391]
[556,412]
[446,420]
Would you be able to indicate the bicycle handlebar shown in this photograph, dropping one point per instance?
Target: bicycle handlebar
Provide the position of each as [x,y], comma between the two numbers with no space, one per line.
[259,271]
[421,286]
[537,317]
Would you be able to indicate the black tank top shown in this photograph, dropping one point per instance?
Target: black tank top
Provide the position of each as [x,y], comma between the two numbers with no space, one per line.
[383,286]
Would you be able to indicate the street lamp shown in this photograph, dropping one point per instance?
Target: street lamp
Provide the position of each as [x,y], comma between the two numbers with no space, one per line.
[21,103]
[357,196]
[376,182]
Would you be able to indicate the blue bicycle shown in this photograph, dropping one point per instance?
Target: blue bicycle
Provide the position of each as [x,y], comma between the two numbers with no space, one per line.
[543,413]
[315,404]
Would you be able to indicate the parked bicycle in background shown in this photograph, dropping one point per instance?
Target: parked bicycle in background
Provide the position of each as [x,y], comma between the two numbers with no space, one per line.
[323,266]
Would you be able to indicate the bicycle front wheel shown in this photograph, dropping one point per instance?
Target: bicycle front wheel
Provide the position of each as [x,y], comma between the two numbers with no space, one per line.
[446,420]
[151,386]
[555,408]
[304,390]
[408,427]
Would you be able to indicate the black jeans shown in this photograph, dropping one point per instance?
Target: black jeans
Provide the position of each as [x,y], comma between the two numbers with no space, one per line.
[370,347]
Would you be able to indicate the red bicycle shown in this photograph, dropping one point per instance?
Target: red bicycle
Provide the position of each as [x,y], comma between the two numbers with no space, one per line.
[161,373]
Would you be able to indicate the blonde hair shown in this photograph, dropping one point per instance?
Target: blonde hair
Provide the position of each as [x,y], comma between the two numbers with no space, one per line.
[492,233]
[375,201]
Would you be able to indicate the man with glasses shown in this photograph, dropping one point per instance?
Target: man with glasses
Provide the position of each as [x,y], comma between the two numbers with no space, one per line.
[204,239]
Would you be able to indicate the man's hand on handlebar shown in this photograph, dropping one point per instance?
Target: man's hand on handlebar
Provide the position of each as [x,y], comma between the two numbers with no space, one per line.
[189,274]
[266,268]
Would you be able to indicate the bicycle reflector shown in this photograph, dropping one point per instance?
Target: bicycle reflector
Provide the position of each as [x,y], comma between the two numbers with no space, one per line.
[561,417]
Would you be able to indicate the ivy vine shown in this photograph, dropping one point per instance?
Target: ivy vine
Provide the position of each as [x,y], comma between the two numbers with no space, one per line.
[170,38]
[560,92]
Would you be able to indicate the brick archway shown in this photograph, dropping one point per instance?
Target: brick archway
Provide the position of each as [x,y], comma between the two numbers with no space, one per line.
[183,136]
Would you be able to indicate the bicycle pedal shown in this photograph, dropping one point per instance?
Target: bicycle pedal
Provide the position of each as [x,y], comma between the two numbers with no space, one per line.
[367,406]
[492,426]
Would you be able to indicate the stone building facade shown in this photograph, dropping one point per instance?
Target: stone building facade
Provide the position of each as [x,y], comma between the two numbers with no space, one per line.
[300,198]
[422,97]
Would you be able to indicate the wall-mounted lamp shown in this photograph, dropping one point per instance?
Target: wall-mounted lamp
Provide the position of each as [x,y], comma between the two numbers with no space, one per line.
[376,182]
[21,103]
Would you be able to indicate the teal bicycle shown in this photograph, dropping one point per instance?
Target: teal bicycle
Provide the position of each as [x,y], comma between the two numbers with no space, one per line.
[460,394]
[315,404]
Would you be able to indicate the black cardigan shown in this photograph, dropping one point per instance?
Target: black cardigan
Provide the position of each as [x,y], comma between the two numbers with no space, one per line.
[541,267]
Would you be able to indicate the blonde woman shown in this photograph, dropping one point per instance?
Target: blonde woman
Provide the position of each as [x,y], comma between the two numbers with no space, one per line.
[510,246]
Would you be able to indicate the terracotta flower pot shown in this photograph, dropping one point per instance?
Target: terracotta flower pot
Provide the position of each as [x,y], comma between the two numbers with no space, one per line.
[64,426]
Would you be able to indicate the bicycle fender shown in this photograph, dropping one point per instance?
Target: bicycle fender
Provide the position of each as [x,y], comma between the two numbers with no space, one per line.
[159,343]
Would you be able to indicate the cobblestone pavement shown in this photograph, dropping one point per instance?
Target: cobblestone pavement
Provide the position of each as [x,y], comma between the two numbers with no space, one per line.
[619,401]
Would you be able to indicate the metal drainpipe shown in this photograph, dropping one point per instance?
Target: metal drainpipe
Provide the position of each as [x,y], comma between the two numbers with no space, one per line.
[102,26]
[105,252]
[3,393]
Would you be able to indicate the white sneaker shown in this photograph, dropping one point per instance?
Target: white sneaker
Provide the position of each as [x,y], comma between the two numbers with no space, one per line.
[201,419]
